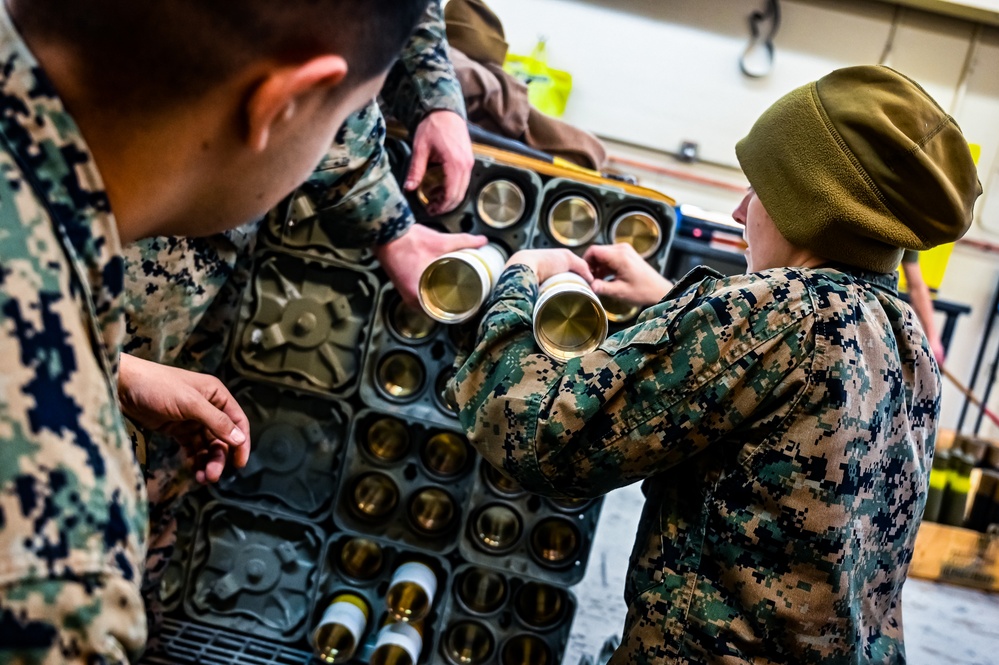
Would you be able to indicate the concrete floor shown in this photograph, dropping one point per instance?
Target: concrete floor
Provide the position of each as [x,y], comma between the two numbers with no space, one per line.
[943,624]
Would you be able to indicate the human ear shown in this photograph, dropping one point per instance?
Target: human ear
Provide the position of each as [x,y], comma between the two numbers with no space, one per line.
[284,90]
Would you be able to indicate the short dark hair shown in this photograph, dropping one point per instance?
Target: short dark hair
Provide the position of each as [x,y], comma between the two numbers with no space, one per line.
[155,52]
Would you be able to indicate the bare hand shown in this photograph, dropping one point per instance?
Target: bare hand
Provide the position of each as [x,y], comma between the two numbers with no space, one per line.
[634,280]
[442,138]
[406,257]
[194,408]
[550,262]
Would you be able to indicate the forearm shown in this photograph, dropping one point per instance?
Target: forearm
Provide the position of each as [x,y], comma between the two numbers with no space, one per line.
[354,189]
[423,81]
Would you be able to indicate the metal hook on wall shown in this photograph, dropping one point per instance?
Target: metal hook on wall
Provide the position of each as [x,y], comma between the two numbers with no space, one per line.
[758,59]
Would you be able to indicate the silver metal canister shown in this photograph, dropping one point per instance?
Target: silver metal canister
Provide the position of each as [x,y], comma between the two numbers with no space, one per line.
[455,286]
[569,320]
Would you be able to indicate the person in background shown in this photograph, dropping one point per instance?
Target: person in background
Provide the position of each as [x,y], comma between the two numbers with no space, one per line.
[182,293]
[922,303]
[782,421]
[124,120]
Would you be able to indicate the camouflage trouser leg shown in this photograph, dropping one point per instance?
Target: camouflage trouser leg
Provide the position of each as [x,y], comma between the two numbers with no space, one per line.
[98,619]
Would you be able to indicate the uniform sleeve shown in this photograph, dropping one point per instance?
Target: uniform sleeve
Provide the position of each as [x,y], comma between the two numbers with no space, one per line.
[354,190]
[423,80]
[695,369]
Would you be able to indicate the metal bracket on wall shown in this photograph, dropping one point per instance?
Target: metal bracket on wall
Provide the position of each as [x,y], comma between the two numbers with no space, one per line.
[757,60]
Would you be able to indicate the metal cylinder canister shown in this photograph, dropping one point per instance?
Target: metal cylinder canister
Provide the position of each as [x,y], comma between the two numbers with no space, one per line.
[638,229]
[455,286]
[501,204]
[569,320]
[619,311]
[573,221]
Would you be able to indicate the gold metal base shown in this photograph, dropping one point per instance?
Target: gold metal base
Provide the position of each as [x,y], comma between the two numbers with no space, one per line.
[482,591]
[387,440]
[526,650]
[638,229]
[540,605]
[361,559]
[501,204]
[410,324]
[374,496]
[432,511]
[401,375]
[468,643]
[497,528]
[555,541]
[573,221]
[445,454]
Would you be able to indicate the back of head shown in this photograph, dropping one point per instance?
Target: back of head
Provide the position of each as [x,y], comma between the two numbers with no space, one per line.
[149,54]
[860,165]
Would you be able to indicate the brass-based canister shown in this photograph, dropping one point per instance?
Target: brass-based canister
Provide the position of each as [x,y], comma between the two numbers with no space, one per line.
[482,591]
[387,440]
[619,311]
[569,320]
[500,482]
[638,229]
[573,221]
[401,375]
[539,605]
[444,399]
[455,286]
[361,558]
[501,204]
[432,184]
[445,454]
[496,528]
[432,511]
[555,541]
[374,496]
[412,325]
[526,650]
[468,643]
[570,505]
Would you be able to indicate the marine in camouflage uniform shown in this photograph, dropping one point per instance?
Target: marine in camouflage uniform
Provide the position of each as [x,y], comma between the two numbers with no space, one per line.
[72,500]
[182,294]
[782,422]
[784,465]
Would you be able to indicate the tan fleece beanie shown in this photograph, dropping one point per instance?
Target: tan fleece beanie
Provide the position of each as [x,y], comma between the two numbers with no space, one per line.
[860,165]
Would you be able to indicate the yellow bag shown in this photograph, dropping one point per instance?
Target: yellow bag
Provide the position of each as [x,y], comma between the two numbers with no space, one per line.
[547,89]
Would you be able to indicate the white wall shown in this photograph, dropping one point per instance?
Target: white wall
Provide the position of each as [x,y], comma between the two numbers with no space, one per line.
[655,72]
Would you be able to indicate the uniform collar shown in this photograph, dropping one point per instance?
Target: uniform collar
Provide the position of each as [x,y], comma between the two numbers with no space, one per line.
[38,132]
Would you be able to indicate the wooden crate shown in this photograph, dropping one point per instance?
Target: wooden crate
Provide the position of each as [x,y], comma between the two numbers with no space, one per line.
[956,556]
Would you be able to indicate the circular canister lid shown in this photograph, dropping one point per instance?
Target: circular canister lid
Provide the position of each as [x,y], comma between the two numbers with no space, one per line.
[501,204]
[619,311]
[638,229]
[401,375]
[569,320]
[573,221]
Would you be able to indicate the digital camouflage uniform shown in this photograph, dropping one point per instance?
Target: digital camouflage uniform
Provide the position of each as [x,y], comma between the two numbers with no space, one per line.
[72,500]
[182,294]
[783,424]
[173,285]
